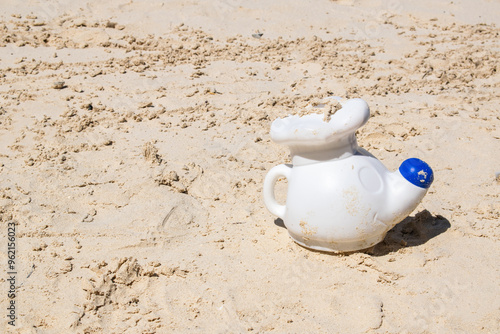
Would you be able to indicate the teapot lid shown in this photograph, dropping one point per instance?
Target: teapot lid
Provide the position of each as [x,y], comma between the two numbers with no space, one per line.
[313,129]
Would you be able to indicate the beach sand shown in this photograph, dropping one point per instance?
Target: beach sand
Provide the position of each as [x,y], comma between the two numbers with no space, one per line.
[134,140]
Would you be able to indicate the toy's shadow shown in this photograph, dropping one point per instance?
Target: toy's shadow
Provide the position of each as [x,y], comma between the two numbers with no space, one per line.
[279,222]
[411,232]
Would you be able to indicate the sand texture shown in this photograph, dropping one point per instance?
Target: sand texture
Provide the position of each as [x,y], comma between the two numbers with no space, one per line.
[134,141]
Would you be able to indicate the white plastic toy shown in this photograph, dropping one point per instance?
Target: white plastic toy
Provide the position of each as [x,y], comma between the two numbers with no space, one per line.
[340,198]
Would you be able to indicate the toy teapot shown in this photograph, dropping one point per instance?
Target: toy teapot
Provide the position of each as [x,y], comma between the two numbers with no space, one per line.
[340,197]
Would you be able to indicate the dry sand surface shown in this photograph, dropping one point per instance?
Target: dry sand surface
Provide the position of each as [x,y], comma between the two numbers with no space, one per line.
[134,140]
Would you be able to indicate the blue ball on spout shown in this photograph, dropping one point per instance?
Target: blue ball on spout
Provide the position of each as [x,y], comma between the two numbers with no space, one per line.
[417,172]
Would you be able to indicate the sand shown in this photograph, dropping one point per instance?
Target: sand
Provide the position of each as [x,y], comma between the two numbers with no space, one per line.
[134,140]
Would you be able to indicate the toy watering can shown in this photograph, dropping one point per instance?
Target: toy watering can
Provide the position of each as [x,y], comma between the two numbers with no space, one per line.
[340,198]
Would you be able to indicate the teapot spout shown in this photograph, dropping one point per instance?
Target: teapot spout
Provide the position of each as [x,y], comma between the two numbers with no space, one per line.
[407,186]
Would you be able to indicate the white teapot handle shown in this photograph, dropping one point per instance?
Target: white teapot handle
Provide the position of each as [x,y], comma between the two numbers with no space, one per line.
[274,174]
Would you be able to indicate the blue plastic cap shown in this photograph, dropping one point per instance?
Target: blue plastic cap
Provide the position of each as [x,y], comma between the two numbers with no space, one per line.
[417,172]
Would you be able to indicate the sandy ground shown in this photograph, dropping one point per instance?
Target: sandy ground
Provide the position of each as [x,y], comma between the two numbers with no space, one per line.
[134,139]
